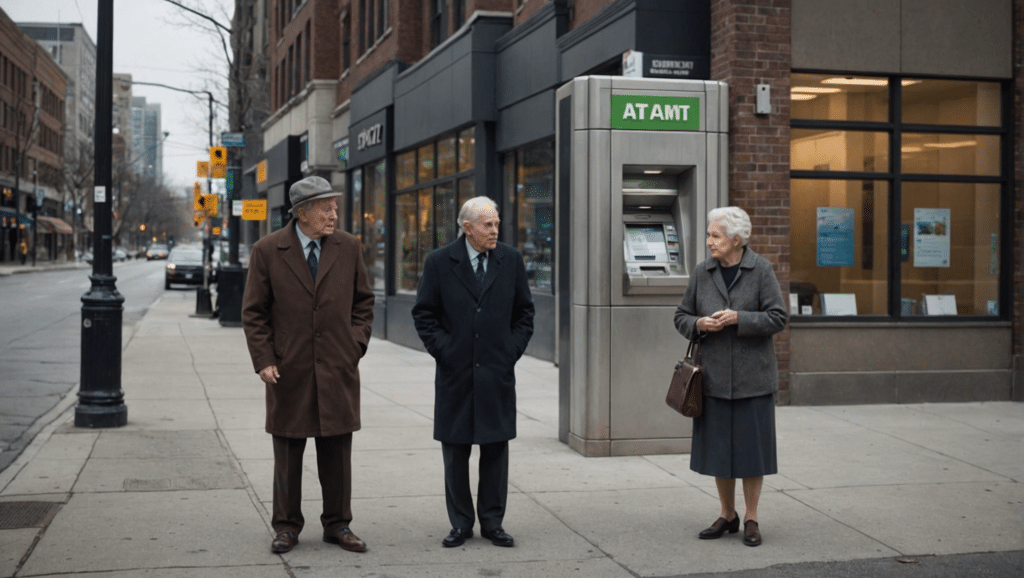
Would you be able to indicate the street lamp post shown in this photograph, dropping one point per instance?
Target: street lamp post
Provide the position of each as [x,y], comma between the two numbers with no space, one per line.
[100,398]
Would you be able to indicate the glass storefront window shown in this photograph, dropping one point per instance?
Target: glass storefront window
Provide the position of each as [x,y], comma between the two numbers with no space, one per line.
[952,102]
[839,97]
[465,191]
[374,200]
[951,154]
[446,157]
[467,142]
[530,191]
[407,259]
[839,150]
[428,202]
[405,170]
[847,221]
[951,265]
[446,208]
[947,188]
[425,155]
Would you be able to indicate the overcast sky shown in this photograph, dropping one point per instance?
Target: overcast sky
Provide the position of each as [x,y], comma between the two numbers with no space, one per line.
[154,43]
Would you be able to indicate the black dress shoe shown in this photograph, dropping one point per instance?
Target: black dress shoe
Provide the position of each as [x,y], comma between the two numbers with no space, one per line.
[751,533]
[498,537]
[284,542]
[716,530]
[456,537]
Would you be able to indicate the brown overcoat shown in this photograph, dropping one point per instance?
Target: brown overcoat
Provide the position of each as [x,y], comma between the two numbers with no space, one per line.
[315,335]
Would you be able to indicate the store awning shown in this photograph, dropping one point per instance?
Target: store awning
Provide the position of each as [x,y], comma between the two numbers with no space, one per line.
[7,218]
[54,225]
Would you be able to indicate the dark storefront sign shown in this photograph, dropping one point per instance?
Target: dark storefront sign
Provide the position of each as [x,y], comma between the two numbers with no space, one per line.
[371,137]
[644,65]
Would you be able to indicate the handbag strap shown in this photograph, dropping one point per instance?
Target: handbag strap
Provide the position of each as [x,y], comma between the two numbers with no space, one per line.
[693,349]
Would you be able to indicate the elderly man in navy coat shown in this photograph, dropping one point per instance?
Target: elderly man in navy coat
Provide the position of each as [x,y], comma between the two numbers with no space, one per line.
[474,313]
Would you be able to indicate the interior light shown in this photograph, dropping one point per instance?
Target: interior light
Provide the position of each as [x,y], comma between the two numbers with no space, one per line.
[856,81]
[644,207]
[815,89]
[799,96]
[652,172]
[911,149]
[951,145]
[908,82]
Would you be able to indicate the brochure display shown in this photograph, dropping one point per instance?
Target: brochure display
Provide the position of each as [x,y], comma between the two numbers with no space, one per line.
[835,237]
[931,237]
[938,304]
[838,304]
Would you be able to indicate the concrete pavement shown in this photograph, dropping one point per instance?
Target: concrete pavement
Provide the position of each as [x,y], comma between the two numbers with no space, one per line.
[185,488]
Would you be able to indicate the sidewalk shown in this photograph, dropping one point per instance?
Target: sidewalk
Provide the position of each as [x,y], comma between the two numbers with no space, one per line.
[9,268]
[184,489]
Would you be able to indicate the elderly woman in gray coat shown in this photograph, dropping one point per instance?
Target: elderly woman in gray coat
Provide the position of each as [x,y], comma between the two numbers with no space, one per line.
[733,304]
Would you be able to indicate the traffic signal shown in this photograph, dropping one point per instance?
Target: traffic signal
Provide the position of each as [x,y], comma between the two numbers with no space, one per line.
[197,197]
[198,218]
[202,169]
[210,205]
[218,157]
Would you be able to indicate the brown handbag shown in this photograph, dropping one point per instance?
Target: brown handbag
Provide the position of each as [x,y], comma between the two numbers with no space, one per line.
[686,392]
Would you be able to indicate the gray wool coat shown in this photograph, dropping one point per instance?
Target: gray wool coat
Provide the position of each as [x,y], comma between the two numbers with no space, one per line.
[738,361]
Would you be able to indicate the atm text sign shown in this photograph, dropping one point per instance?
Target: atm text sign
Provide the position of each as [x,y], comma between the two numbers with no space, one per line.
[640,112]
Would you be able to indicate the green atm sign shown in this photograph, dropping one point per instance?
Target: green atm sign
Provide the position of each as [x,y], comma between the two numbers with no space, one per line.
[636,112]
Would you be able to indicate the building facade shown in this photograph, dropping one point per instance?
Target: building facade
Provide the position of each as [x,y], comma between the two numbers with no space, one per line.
[895,123]
[32,115]
[147,139]
[72,48]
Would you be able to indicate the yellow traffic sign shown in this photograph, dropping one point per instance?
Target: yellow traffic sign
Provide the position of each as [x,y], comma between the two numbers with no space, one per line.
[197,197]
[202,169]
[254,210]
[219,172]
[218,156]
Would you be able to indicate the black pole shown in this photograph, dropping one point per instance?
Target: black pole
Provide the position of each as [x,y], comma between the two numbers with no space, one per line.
[100,399]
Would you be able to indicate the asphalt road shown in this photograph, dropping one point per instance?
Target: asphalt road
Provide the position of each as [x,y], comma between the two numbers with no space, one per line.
[40,340]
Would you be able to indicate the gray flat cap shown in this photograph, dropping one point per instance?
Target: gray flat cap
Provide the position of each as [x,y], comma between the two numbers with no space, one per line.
[310,189]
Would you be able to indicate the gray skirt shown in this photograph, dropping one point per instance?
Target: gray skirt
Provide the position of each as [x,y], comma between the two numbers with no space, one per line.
[735,438]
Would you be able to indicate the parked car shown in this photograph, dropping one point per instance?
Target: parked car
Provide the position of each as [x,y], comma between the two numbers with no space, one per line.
[185,266]
[157,252]
[120,255]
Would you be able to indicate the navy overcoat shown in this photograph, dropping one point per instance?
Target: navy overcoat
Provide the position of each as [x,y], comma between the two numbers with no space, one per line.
[476,333]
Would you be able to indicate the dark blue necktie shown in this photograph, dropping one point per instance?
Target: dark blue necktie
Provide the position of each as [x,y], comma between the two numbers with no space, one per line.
[311,260]
[480,267]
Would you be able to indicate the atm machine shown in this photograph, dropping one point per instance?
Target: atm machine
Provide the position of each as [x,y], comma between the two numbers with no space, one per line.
[639,164]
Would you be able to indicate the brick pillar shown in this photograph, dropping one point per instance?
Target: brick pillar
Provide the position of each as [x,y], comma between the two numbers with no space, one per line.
[750,45]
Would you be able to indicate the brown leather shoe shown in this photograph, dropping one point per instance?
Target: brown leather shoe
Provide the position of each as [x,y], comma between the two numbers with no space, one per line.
[284,542]
[720,527]
[345,538]
[751,533]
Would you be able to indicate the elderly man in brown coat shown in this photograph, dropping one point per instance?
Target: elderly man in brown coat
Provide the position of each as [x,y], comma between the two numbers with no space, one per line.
[307,311]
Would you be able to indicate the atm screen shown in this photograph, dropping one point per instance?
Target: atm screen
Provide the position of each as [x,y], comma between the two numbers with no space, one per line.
[646,244]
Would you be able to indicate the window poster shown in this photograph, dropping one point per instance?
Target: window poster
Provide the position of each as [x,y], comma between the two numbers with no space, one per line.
[835,237]
[931,237]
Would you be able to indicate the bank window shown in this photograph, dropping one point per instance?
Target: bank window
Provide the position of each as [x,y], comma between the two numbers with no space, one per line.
[467,143]
[896,198]
[432,182]
[528,180]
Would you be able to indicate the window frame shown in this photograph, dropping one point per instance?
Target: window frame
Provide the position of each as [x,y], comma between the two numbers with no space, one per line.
[896,177]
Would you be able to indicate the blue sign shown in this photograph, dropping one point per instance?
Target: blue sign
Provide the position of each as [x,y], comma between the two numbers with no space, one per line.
[232,139]
[835,237]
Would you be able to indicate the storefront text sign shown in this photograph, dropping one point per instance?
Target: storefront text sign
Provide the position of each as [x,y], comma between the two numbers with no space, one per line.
[638,112]
[254,210]
[371,136]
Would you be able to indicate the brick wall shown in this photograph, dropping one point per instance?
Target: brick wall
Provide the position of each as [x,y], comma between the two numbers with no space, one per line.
[750,45]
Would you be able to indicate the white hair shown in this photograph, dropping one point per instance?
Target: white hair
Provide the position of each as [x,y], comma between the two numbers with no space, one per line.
[471,209]
[734,220]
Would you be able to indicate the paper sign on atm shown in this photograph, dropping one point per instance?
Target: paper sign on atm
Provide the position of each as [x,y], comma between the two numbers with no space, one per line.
[254,210]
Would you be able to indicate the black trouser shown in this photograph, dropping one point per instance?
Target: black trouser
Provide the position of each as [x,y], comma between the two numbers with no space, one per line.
[334,464]
[492,493]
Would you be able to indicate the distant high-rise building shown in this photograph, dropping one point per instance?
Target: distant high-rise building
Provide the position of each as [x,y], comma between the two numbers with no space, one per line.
[147,138]
[70,45]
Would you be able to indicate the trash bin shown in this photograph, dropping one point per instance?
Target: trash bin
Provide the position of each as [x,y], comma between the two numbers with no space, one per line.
[230,288]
